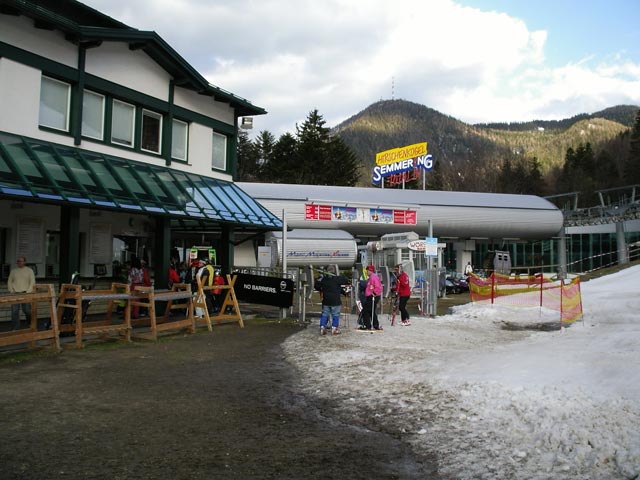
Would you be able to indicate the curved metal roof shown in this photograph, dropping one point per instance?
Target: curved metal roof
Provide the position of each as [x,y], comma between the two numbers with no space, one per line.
[453,214]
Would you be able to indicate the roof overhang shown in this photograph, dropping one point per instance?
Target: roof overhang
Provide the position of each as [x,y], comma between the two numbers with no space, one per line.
[39,171]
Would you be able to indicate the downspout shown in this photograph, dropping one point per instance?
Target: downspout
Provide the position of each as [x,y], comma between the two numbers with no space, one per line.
[78,98]
[168,125]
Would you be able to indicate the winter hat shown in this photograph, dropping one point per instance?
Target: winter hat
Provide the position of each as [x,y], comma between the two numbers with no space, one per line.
[372,268]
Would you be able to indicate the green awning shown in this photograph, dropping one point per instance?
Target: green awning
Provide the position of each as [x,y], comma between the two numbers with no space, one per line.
[34,170]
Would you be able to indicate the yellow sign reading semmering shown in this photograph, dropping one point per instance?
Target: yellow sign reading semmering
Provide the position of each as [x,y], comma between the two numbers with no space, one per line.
[401,153]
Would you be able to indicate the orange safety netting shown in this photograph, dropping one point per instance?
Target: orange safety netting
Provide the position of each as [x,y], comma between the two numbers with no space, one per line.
[528,291]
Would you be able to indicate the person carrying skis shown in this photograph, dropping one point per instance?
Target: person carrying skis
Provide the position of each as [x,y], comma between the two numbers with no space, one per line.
[373,291]
[403,289]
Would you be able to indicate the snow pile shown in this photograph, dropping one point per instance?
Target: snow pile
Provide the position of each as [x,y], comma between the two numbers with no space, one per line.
[490,394]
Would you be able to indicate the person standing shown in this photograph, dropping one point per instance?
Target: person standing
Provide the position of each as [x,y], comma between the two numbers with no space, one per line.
[136,278]
[174,277]
[372,292]
[468,270]
[331,288]
[218,296]
[403,289]
[206,274]
[21,280]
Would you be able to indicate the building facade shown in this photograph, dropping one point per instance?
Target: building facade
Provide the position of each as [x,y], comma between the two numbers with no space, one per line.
[111,145]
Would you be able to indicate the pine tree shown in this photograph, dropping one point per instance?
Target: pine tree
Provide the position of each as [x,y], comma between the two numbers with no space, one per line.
[323,159]
[248,167]
[535,180]
[282,167]
[632,167]
[264,144]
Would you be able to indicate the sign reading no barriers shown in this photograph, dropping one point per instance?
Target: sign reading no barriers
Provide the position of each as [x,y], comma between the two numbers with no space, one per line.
[264,290]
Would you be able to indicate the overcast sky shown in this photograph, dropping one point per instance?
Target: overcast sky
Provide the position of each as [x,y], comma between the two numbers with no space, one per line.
[476,60]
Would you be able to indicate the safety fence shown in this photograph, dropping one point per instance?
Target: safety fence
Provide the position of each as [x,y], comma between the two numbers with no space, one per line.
[528,291]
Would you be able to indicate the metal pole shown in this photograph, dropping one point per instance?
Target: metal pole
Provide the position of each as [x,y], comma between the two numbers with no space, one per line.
[284,254]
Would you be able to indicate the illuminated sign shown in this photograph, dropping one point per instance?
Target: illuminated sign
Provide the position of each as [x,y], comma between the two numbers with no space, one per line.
[399,160]
[396,155]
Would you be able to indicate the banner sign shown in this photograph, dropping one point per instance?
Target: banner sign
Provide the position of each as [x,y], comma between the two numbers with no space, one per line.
[358,214]
[430,247]
[264,290]
[400,160]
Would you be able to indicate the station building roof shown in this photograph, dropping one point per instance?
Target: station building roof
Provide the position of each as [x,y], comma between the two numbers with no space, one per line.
[455,215]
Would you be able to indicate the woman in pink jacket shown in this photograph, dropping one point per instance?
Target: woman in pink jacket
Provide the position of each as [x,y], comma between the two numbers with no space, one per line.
[372,293]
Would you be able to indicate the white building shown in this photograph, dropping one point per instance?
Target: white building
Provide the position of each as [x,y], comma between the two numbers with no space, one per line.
[111,145]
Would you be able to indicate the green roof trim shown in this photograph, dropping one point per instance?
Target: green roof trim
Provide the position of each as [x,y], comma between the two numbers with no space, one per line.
[35,170]
[71,18]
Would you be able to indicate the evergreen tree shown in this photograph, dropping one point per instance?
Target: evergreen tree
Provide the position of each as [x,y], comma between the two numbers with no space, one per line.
[536,181]
[312,137]
[606,171]
[282,167]
[505,177]
[248,167]
[433,178]
[346,170]
[632,166]
[264,144]
[323,159]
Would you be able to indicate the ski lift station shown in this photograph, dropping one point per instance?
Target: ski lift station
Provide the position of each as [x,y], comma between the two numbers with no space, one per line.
[328,224]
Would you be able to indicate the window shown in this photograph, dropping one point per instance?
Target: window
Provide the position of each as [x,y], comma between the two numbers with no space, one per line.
[122,122]
[219,154]
[55,98]
[179,140]
[151,131]
[93,115]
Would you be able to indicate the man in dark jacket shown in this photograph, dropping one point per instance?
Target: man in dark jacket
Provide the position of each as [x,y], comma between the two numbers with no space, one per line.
[330,287]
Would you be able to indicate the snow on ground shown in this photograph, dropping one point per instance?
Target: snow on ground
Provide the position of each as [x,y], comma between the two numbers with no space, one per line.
[496,403]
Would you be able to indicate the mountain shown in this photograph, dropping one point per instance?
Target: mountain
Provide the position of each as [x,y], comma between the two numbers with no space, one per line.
[395,123]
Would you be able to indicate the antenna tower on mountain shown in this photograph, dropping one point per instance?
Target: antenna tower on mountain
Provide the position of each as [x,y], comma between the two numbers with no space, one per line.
[393,81]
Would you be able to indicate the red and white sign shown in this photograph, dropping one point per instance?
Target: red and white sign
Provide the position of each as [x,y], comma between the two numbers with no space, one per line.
[315,212]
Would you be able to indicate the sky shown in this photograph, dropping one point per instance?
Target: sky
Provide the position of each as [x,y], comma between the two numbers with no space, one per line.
[490,402]
[475,60]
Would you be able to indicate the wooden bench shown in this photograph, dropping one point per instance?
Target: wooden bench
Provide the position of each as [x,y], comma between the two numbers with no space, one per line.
[42,293]
[230,300]
[179,298]
[72,297]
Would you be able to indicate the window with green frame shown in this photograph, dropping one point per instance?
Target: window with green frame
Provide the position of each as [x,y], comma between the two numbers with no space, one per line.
[179,140]
[151,133]
[93,115]
[219,152]
[122,123]
[55,104]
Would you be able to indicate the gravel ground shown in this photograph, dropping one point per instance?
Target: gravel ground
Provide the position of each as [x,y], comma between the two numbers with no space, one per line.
[223,404]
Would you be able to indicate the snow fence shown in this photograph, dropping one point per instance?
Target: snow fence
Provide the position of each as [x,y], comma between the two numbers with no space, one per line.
[528,291]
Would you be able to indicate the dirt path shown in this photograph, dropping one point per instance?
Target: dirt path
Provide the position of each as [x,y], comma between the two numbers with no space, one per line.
[211,405]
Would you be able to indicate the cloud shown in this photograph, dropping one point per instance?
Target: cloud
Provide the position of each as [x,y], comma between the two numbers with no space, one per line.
[339,56]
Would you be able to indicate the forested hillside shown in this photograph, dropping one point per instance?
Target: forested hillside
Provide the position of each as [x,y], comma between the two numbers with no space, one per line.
[515,158]
[586,153]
